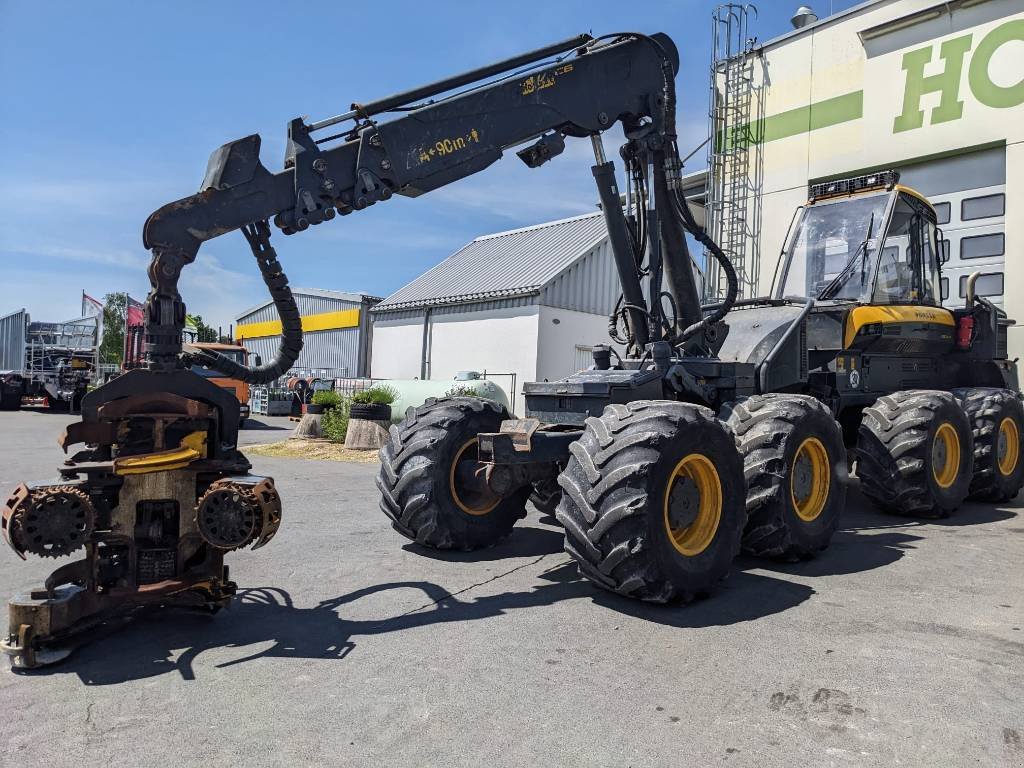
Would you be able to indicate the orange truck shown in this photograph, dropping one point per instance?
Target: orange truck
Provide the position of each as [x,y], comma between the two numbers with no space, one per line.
[240,389]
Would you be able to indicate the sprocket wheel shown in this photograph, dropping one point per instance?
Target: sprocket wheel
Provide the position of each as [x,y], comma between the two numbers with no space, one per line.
[55,521]
[228,516]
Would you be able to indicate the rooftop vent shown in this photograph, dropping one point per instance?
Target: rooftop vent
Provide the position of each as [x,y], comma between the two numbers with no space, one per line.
[804,15]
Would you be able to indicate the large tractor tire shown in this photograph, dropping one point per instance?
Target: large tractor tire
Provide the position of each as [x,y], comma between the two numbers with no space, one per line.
[997,425]
[430,482]
[914,453]
[653,500]
[794,462]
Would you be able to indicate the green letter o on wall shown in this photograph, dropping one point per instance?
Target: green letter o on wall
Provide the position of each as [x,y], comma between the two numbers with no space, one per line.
[984,90]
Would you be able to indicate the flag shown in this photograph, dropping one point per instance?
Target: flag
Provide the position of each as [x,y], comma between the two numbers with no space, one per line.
[90,306]
[134,319]
[133,312]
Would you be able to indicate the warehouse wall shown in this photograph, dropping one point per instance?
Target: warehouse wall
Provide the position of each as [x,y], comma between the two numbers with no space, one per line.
[565,340]
[337,350]
[875,90]
[396,347]
[500,339]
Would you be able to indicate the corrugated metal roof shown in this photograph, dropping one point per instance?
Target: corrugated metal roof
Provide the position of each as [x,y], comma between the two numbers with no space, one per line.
[519,262]
[356,297]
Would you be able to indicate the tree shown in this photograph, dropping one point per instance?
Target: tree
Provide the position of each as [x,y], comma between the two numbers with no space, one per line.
[204,332]
[112,346]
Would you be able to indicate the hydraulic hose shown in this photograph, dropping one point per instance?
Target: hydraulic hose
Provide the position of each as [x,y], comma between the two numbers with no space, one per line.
[732,283]
[258,235]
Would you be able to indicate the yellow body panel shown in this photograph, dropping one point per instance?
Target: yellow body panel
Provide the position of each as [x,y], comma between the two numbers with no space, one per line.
[858,317]
[325,321]
[192,447]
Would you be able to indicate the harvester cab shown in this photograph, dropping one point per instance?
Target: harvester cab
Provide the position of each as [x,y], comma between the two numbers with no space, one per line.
[867,240]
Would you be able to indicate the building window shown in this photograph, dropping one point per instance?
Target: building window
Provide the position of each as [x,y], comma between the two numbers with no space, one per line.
[982,246]
[990,284]
[982,207]
[944,251]
[942,213]
[945,288]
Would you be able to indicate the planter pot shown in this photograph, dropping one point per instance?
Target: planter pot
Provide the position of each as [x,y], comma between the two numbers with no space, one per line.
[313,408]
[370,412]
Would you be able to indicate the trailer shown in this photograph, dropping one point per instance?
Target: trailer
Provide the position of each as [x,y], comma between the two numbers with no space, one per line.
[46,364]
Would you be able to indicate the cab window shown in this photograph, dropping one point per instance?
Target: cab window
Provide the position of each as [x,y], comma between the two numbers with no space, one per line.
[908,267]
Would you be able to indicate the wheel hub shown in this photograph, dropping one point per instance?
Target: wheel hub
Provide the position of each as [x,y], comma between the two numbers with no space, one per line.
[683,503]
[1007,446]
[945,455]
[810,479]
[803,477]
[468,483]
[693,504]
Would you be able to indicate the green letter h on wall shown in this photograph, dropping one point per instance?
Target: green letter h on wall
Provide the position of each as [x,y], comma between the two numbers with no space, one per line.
[947,83]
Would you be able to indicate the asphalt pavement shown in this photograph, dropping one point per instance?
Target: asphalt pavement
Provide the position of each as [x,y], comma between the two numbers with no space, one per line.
[903,644]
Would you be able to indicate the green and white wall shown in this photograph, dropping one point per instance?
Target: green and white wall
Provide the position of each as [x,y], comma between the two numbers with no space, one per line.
[933,89]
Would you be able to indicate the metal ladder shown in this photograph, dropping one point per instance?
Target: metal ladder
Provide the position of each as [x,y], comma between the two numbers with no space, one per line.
[735,162]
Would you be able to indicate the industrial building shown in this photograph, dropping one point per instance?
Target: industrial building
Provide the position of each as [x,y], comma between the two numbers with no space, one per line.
[336,332]
[528,303]
[932,89]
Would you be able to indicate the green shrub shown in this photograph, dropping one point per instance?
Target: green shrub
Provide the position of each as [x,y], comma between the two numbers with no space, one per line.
[328,398]
[334,422]
[378,394]
[461,390]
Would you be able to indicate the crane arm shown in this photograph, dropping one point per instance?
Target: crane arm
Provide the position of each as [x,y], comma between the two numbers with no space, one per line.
[592,85]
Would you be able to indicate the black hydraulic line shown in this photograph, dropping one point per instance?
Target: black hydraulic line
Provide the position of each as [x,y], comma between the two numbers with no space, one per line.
[678,268]
[622,250]
[456,81]
[732,283]
[258,235]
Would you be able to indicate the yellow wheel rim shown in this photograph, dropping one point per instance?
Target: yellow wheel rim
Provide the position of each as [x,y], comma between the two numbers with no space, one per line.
[945,455]
[809,479]
[693,500]
[1008,446]
[472,497]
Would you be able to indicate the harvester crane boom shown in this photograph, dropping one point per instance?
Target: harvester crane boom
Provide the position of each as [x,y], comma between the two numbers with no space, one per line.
[591,85]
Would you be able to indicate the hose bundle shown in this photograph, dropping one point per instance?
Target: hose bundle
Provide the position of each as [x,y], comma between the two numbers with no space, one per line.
[258,236]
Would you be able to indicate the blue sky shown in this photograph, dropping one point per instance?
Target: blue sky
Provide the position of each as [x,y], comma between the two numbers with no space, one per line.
[111,109]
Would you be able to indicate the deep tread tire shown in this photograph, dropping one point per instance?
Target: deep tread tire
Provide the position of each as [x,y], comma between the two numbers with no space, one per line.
[770,430]
[612,504]
[986,408]
[415,470]
[894,453]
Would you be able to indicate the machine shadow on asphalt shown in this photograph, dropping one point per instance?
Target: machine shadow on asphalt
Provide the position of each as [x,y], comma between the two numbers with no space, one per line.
[267,617]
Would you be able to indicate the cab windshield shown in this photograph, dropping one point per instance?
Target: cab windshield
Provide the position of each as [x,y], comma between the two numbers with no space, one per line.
[238,355]
[831,253]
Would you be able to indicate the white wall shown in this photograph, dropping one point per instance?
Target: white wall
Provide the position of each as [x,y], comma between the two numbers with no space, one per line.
[522,340]
[494,340]
[559,333]
[396,348]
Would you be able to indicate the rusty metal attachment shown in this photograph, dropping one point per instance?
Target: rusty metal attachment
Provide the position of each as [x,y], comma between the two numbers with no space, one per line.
[48,521]
[235,512]
[155,498]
